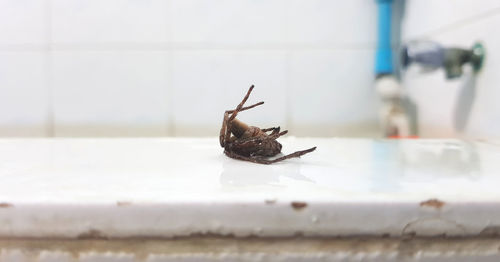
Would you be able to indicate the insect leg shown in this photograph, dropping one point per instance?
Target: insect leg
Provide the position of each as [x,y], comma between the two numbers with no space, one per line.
[275,135]
[248,158]
[223,134]
[240,106]
[292,155]
[274,129]
[246,107]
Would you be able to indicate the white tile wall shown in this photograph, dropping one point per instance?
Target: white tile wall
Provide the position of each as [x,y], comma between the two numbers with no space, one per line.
[109,21]
[23,94]
[105,93]
[435,118]
[339,23]
[23,22]
[427,18]
[327,96]
[206,83]
[247,22]
[170,67]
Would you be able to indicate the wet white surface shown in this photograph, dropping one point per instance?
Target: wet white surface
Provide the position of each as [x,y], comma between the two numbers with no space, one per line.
[169,187]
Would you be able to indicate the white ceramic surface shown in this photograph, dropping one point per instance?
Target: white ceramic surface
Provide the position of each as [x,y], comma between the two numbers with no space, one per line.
[115,21]
[171,187]
[118,58]
[23,94]
[87,100]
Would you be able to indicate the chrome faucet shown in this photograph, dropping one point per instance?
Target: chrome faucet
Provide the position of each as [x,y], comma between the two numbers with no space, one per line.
[432,56]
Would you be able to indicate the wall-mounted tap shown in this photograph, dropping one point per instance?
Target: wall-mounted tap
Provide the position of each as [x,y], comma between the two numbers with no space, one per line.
[432,56]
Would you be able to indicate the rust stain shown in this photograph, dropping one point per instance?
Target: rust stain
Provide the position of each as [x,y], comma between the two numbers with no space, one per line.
[92,234]
[435,203]
[123,203]
[298,234]
[270,201]
[5,205]
[299,205]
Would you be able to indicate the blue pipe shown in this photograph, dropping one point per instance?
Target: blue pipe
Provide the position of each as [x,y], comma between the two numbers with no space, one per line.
[383,57]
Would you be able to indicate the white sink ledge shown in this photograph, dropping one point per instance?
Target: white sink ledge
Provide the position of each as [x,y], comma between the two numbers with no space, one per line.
[119,188]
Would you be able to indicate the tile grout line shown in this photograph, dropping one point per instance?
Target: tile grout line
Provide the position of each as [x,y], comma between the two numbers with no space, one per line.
[179,46]
[288,54]
[170,123]
[50,128]
[288,90]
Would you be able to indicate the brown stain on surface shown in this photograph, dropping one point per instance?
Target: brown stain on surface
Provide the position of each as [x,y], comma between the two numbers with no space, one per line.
[123,203]
[92,234]
[435,203]
[171,249]
[5,205]
[299,205]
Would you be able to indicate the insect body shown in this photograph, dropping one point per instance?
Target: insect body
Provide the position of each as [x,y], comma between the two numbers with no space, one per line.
[251,143]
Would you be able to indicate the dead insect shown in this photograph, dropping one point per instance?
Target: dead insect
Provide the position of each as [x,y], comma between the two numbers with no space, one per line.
[251,143]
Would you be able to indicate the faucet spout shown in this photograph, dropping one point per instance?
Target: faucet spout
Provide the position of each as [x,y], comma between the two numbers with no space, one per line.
[432,56]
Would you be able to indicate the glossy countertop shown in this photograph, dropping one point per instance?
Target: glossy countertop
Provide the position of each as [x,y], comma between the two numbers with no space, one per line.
[166,187]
